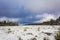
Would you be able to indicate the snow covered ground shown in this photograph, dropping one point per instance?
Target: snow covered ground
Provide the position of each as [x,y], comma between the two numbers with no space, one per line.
[37,32]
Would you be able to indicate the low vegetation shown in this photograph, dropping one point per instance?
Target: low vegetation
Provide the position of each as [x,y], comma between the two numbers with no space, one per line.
[19,38]
[29,34]
[46,39]
[33,39]
[9,31]
[57,37]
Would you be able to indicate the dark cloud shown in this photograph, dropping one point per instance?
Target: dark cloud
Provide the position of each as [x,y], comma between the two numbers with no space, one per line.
[28,10]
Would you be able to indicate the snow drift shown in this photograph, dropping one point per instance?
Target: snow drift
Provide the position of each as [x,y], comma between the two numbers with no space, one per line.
[37,32]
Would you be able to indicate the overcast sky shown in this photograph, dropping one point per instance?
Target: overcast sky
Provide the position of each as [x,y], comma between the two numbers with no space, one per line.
[29,11]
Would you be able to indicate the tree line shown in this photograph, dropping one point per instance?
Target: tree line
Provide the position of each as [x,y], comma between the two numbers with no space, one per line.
[7,23]
[51,22]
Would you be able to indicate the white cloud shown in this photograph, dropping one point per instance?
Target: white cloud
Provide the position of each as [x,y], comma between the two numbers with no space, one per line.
[39,5]
[46,17]
[9,19]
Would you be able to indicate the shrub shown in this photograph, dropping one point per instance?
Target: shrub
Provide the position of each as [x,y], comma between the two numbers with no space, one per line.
[57,37]
[19,38]
[46,39]
[33,39]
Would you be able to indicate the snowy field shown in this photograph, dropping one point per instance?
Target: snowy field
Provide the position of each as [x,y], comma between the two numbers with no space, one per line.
[37,32]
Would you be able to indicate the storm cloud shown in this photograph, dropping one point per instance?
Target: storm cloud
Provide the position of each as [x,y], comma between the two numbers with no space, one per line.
[29,11]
